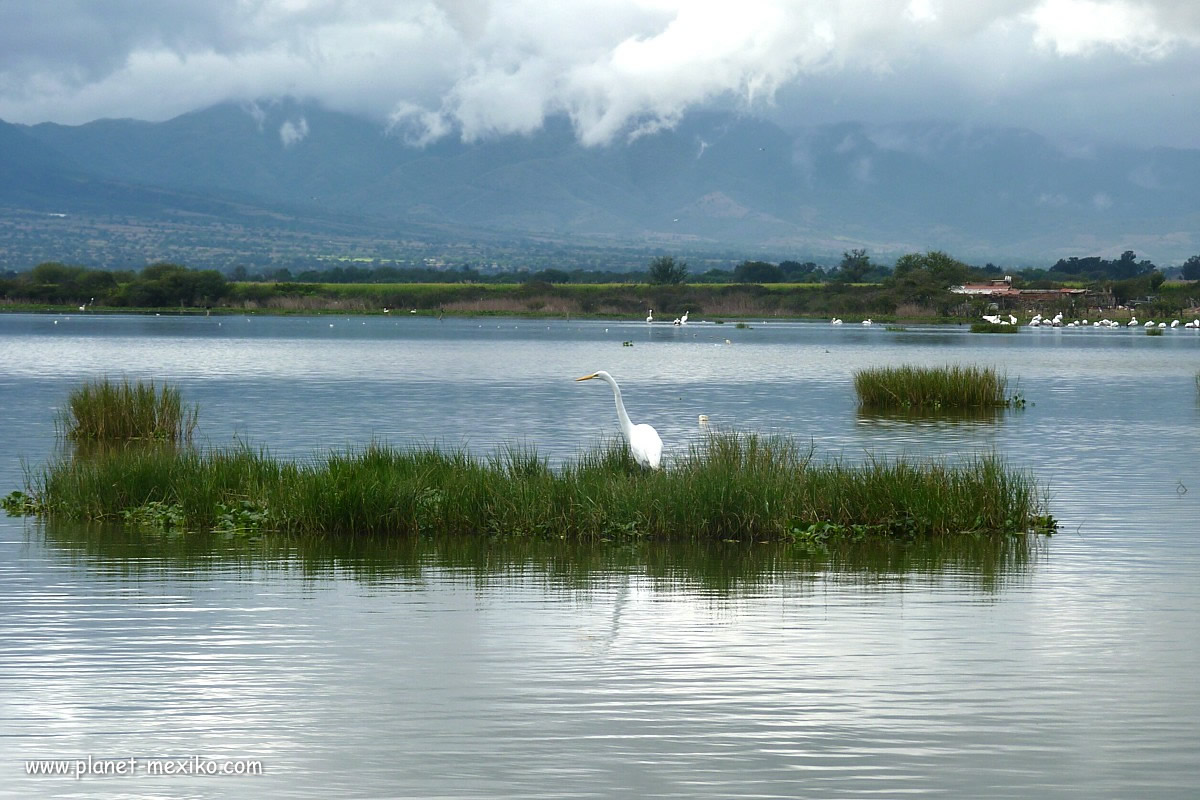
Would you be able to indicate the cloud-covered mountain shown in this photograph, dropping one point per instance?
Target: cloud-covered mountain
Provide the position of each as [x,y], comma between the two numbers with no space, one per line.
[715,180]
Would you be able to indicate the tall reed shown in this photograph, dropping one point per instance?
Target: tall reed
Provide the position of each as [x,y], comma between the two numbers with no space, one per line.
[103,410]
[930,388]
[733,486]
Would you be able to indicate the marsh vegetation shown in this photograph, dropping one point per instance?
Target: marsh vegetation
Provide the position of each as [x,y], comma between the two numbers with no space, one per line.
[732,486]
[932,388]
[105,410]
[992,327]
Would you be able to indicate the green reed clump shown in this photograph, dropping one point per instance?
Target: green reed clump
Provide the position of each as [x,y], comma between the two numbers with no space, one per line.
[992,327]
[1154,332]
[730,487]
[109,411]
[930,388]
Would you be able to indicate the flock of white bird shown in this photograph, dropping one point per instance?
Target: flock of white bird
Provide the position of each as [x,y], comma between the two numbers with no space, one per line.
[1057,322]
[678,320]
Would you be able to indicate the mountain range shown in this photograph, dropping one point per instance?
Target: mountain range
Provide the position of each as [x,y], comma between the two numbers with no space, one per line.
[714,182]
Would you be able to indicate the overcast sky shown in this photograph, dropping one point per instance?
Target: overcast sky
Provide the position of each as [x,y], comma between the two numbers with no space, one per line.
[1123,70]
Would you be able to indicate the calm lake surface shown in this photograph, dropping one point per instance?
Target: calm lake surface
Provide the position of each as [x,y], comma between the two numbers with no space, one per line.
[1065,667]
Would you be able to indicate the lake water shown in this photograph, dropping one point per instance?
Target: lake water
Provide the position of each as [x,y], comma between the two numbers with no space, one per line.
[1065,667]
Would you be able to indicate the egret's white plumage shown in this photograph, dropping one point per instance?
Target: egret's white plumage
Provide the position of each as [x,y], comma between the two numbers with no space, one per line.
[650,316]
[645,445]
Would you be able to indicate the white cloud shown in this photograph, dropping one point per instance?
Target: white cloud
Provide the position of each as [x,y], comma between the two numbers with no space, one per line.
[292,132]
[616,68]
[1074,27]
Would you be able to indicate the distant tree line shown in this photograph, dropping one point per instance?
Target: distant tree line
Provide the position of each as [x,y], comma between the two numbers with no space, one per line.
[156,286]
[917,280]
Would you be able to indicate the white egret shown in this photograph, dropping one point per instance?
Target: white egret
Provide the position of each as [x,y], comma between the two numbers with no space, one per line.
[644,442]
[867,321]
[683,319]
[650,316]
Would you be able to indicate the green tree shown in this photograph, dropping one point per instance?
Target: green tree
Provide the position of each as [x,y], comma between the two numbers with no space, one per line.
[854,267]
[925,278]
[551,276]
[1191,269]
[757,272]
[796,272]
[665,269]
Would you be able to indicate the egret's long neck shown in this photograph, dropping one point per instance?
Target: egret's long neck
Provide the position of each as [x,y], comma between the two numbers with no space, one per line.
[622,417]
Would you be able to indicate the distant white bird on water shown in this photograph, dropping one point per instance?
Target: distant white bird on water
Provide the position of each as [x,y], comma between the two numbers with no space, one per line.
[683,319]
[650,316]
[867,321]
[645,445]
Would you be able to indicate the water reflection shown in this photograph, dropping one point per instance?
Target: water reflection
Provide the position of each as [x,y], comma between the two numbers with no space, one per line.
[932,417]
[725,568]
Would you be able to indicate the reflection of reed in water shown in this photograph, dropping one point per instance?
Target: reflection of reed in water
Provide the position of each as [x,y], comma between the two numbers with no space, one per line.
[929,416]
[988,563]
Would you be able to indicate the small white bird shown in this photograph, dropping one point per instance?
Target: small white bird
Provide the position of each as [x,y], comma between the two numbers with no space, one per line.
[650,316]
[683,319]
[677,321]
[867,321]
[703,420]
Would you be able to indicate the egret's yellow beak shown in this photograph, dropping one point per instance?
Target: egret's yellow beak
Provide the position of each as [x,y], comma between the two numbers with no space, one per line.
[586,377]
